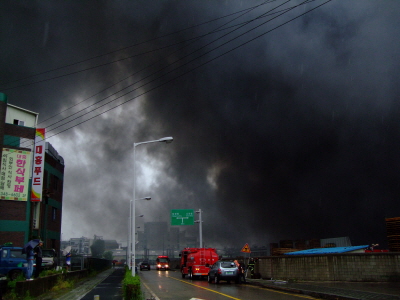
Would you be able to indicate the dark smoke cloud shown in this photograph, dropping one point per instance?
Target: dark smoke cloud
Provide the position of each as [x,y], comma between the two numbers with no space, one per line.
[292,136]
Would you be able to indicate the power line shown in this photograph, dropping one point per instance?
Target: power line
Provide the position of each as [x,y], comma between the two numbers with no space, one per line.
[195,39]
[245,23]
[191,70]
[208,61]
[125,58]
[115,51]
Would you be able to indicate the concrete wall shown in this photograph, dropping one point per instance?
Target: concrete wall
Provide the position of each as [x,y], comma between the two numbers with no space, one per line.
[378,267]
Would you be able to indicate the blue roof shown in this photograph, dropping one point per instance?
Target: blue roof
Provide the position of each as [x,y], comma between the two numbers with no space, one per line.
[327,250]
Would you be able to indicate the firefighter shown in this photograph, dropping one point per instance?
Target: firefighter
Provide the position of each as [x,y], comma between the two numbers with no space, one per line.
[241,270]
[251,266]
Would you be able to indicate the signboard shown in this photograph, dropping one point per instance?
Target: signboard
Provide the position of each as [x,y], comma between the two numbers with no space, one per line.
[14,174]
[246,249]
[38,165]
[182,217]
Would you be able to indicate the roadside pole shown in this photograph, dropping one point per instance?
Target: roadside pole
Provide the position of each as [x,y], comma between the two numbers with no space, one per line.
[246,249]
[200,227]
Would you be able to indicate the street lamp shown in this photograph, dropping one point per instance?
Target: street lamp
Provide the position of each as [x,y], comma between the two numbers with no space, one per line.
[129,247]
[128,243]
[133,256]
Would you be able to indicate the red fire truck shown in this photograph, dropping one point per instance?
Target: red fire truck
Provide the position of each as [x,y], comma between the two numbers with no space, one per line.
[196,262]
[162,262]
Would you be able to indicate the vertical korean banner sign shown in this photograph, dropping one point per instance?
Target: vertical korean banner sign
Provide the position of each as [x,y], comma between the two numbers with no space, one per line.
[14,174]
[38,165]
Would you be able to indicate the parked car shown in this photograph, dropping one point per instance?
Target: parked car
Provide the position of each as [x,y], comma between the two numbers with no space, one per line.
[50,260]
[224,270]
[12,261]
[145,265]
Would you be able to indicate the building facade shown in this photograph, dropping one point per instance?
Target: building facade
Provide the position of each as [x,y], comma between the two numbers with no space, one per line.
[21,219]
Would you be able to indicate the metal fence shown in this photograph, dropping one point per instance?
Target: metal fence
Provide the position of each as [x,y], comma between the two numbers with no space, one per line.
[85,262]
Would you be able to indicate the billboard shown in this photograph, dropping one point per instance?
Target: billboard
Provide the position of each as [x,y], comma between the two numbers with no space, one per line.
[14,174]
[38,165]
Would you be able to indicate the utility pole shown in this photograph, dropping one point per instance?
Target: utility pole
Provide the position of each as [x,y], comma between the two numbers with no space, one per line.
[200,227]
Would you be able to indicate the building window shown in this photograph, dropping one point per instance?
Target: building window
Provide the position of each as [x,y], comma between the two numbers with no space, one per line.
[55,183]
[54,214]
[19,122]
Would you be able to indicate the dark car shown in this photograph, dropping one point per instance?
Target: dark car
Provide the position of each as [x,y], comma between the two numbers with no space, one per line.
[224,270]
[144,266]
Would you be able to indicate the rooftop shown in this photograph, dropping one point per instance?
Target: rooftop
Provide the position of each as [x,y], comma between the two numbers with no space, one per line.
[328,250]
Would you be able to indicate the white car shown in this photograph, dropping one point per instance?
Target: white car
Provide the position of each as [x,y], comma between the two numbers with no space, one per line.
[49,259]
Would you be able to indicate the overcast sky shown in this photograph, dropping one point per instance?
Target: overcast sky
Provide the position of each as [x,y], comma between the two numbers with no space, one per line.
[285,126]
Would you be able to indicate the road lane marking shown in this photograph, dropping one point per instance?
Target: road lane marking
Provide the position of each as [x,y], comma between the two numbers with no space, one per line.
[204,288]
[150,291]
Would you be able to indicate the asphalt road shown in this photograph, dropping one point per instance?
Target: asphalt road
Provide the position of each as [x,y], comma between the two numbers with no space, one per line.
[170,285]
[158,285]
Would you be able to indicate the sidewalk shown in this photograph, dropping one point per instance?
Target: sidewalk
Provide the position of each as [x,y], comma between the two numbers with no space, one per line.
[336,290]
[110,288]
[87,285]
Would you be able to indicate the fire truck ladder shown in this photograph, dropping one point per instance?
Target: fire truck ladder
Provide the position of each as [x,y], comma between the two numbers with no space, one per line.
[202,257]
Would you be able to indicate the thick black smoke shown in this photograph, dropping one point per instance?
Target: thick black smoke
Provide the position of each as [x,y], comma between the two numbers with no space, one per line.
[293,135]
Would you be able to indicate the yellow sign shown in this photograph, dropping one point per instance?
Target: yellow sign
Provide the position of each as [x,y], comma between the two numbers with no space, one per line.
[246,248]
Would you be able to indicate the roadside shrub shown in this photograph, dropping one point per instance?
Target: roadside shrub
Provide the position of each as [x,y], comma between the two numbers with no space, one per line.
[131,286]
[63,284]
[45,273]
[11,285]
[14,296]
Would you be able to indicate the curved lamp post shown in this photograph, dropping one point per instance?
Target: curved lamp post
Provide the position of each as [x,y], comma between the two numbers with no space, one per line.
[133,256]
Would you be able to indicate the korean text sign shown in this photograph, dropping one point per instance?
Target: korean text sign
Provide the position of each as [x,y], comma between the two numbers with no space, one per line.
[14,174]
[38,165]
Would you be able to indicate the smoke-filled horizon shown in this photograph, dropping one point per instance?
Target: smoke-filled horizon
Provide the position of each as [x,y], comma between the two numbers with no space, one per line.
[284,114]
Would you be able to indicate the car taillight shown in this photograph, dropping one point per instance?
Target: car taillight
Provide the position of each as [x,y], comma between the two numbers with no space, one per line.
[219,271]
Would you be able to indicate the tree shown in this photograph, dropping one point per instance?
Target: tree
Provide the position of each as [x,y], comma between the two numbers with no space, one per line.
[108,255]
[97,248]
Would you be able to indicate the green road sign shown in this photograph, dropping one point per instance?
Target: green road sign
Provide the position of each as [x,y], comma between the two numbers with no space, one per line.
[182,217]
